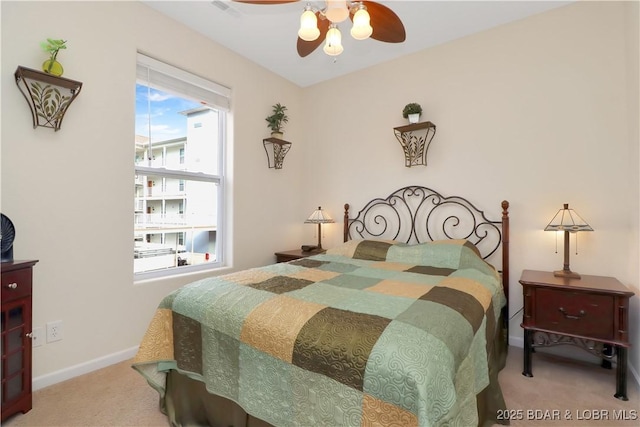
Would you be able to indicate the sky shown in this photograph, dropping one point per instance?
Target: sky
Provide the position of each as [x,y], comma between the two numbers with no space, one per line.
[162,109]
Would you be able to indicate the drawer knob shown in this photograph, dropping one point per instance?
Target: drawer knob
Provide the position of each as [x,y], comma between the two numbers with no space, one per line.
[12,286]
[581,314]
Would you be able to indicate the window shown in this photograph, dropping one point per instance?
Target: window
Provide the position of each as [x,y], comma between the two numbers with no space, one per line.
[179,171]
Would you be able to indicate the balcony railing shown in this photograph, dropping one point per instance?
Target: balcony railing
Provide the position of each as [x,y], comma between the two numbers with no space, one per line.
[169,221]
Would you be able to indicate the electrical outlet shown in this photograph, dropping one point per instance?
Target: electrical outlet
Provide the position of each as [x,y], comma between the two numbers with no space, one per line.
[37,336]
[54,331]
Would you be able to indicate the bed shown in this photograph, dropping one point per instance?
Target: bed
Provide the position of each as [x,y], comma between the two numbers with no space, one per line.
[404,324]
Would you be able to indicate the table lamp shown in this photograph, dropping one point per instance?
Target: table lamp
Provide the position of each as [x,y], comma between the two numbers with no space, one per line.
[317,217]
[569,221]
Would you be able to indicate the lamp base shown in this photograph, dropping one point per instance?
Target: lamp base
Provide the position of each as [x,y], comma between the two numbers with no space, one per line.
[568,274]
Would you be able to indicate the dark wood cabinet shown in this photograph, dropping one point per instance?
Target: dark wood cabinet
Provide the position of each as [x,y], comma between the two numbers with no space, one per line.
[591,312]
[16,336]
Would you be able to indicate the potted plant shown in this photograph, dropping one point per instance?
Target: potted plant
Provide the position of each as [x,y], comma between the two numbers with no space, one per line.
[51,65]
[277,119]
[412,112]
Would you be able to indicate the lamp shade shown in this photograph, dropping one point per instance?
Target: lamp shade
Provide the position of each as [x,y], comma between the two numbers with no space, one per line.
[361,29]
[337,10]
[319,217]
[333,42]
[308,26]
[567,220]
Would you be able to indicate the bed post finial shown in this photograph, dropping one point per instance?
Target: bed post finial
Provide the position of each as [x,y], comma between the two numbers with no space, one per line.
[345,236]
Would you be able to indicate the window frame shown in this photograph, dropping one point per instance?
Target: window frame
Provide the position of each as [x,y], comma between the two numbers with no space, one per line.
[214,96]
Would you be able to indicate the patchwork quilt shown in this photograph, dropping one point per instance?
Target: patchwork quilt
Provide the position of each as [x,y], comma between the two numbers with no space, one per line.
[370,333]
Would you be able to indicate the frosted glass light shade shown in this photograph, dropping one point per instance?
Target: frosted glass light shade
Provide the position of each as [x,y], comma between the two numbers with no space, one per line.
[333,42]
[308,26]
[361,25]
[337,10]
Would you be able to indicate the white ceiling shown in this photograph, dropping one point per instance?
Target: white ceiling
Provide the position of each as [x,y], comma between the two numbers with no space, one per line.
[267,34]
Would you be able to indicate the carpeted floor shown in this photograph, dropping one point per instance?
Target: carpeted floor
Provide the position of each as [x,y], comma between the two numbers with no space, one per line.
[566,393]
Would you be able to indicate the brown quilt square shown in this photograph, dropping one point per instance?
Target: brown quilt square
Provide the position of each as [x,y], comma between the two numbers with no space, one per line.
[187,343]
[309,263]
[281,284]
[462,302]
[337,343]
[431,271]
[372,250]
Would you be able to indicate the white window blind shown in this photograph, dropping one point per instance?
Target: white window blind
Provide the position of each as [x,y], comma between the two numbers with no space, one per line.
[165,77]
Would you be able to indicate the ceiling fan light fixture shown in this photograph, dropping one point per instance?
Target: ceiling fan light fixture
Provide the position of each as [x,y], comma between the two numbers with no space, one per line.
[337,10]
[361,29]
[333,41]
[308,25]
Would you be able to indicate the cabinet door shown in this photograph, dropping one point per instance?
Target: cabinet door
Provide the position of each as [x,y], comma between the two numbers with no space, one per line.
[16,350]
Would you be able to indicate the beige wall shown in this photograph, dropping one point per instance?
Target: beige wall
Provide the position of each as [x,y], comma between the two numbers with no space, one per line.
[537,112]
[69,192]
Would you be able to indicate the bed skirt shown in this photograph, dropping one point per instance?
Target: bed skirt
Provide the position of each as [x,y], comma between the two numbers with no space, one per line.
[187,402]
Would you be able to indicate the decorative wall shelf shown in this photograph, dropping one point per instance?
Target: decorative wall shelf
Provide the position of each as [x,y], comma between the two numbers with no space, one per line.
[48,96]
[276,150]
[415,140]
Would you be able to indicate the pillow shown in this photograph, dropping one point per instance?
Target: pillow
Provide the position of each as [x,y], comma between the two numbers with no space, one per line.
[462,242]
[439,253]
[379,250]
[369,249]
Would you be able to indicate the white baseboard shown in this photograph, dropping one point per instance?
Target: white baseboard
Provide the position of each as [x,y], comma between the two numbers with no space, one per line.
[519,342]
[516,342]
[83,368]
[111,359]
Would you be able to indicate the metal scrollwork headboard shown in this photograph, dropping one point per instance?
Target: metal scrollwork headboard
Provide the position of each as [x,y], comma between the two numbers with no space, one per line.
[418,214]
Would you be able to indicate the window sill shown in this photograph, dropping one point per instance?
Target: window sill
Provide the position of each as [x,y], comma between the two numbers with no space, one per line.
[194,274]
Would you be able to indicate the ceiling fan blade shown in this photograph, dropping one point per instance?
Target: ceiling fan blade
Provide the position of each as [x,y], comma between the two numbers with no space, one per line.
[305,47]
[387,27]
[265,1]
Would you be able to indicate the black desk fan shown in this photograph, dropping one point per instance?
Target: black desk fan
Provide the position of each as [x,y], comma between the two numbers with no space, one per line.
[7,235]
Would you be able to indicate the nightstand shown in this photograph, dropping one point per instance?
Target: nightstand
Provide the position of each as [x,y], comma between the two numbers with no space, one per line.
[591,313]
[17,284]
[285,256]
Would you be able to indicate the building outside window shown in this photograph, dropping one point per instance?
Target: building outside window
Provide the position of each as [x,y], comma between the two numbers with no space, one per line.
[179,171]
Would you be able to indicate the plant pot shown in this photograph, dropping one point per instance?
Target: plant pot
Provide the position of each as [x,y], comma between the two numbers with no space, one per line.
[52,67]
[414,118]
[278,135]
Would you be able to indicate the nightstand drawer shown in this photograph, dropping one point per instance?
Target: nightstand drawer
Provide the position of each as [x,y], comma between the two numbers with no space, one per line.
[16,284]
[576,313]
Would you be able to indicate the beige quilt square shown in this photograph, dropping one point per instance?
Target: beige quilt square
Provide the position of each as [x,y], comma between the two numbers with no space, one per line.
[157,343]
[400,289]
[314,274]
[471,287]
[274,325]
[376,412]
[248,277]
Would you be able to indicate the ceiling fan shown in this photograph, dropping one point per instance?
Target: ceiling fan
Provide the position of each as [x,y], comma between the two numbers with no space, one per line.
[370,19]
